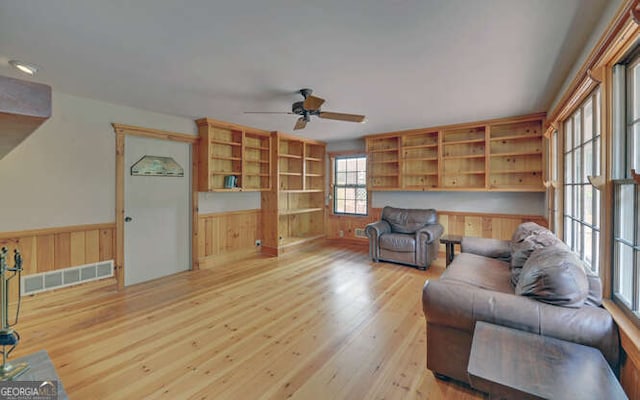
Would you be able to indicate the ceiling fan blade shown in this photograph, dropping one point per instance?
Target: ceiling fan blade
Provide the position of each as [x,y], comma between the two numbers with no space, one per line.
[312,103]
[267,112]
[300,124]
[342,117]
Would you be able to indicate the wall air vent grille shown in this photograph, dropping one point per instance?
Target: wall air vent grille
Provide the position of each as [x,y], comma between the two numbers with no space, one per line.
[45,281]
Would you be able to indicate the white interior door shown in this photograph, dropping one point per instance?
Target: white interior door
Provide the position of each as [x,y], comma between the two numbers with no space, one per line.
[157,228]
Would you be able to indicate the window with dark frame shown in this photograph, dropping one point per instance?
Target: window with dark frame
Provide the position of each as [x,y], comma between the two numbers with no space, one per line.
[581,199]
[350,185]
[626,228]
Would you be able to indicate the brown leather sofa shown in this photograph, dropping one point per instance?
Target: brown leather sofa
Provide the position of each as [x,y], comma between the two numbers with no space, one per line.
[554,295]
[407,236]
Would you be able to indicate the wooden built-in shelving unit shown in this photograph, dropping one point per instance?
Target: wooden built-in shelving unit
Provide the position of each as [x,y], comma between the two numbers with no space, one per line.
[293,210]
[497,155]
[230,149]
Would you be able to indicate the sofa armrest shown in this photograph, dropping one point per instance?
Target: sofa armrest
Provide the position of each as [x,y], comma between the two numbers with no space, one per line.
[460,306]
[429,233]
[492,248]
[373,232]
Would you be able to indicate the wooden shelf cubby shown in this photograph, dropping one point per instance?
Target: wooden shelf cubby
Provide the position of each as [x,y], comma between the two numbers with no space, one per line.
[230,149]
[497,155]
[293,210]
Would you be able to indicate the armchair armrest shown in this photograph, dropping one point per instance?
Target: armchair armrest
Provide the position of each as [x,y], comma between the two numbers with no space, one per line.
[373,232]
[429,233]
[460,306]
[492,248]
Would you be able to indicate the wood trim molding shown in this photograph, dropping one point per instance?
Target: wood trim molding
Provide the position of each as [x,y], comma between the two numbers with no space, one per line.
[51,231]
[629,332]
[229,125]
[636,176]
[226,213]
[595,59]
[496,121]
[120,131]
[119,263]
[154,133]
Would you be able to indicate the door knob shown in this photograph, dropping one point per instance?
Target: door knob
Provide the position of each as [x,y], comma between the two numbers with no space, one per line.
[128,219]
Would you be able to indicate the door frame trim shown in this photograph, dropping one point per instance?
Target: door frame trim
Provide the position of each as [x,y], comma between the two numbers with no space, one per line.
[120,131]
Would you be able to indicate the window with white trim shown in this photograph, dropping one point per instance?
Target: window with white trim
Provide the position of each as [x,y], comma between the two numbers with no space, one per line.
[581,199]
[350,185]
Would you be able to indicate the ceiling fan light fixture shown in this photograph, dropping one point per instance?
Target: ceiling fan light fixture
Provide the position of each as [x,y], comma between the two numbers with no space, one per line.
[23,67]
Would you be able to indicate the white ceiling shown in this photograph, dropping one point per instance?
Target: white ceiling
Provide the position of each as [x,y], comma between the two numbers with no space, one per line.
[404,63]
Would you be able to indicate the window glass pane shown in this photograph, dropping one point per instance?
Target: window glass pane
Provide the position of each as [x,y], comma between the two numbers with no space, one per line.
[362,163]
[587,191]
[362,178]
[596,128]
[351,177]
[361,207]
[596,156]
[339,207]
[341,164]
[349,207]
[626,222]
[577,238]
[361,194]
[340,193]
[577,202]
[568,168]
[350,193]
[341,178]
[624,258]
[587,245]
[635,148]
[568,138]
[636,91]
[595,266]
[568,200]
[352,164]
[596,207]
[587,167]
[577,163]
[568,231]
[577,130]
[588,120]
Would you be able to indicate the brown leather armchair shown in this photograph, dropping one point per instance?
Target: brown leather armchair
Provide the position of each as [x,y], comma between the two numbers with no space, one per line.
[407,236]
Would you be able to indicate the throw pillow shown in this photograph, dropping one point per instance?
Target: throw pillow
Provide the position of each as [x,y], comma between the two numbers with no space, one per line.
[527,238]
[554,275]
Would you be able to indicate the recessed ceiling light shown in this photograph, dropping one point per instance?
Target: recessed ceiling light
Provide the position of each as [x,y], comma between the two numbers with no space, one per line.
[28,69]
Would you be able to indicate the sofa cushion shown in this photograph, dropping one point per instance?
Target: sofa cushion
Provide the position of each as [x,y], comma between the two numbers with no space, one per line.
[405,220]
[482,272]
[528,237]
[554,275]
[594,298]
[398,242]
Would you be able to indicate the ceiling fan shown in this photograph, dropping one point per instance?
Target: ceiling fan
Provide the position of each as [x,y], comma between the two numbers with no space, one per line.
[311,106]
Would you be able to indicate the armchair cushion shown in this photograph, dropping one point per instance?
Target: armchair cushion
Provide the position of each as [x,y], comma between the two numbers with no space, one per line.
[398,242]
[554,275]
[404,220]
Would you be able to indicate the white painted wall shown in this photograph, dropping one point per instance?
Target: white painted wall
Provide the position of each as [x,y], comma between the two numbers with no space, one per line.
[64,173]
[223,202]
[482,202]
[607,15]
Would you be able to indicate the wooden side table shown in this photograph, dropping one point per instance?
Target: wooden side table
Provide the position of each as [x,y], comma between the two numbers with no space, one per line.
[450,241]
[512,364]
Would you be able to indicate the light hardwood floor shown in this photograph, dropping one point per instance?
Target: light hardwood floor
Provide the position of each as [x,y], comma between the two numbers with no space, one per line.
[322,323]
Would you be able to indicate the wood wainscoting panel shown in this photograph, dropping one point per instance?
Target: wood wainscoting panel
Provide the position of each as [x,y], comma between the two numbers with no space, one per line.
[495,226]
[226,235]
[50,249]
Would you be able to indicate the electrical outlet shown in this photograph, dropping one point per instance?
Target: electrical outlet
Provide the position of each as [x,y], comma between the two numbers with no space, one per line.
[258,243]
[341,233]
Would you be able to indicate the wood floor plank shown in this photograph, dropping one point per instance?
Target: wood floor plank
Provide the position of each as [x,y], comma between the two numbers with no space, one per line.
[321,323]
